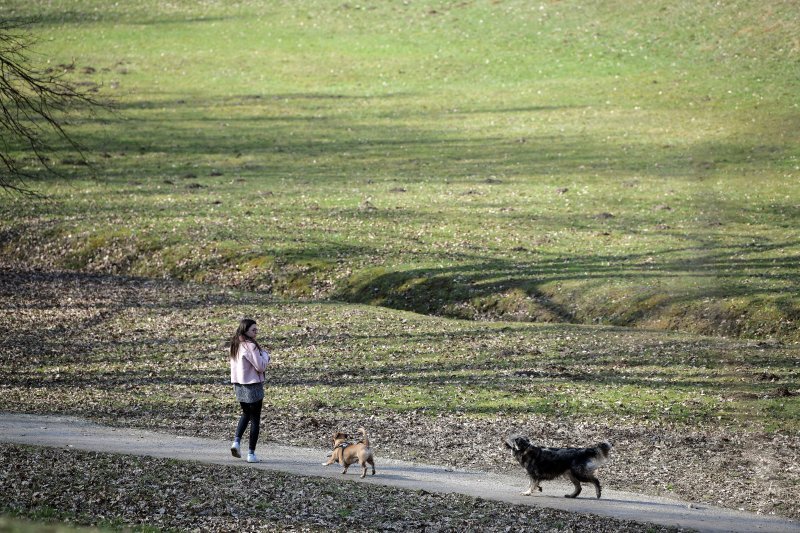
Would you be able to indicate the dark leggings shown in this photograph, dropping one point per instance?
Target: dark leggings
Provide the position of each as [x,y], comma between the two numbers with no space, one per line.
[251,414]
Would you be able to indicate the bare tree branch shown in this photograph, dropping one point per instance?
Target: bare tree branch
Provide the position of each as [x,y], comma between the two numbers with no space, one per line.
[33,104]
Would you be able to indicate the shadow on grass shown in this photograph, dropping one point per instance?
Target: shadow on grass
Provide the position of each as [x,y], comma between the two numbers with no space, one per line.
[325,139]
[99,16]
[721,271]
[332,136]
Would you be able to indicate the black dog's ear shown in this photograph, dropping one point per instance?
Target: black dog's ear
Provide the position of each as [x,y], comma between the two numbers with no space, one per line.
[515,442]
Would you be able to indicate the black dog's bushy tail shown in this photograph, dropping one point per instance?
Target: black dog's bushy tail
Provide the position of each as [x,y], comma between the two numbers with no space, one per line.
[604,448]
[600,455]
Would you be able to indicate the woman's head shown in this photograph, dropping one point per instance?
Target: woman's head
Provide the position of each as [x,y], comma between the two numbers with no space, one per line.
[247,330]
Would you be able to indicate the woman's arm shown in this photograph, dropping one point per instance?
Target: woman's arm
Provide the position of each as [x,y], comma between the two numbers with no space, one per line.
[259,359]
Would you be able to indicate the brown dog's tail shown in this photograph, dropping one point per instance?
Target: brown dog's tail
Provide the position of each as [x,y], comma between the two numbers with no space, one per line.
[364,438]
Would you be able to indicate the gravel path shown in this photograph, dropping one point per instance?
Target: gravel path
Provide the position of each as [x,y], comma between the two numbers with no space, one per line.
[74,433]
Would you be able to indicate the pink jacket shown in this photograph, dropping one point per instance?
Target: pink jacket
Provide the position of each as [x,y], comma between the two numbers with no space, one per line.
[249,365]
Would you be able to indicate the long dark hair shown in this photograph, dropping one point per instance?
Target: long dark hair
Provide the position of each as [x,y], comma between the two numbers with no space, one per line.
[241,336]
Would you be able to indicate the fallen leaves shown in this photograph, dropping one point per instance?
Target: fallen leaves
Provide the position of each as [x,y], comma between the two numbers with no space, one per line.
[88,488]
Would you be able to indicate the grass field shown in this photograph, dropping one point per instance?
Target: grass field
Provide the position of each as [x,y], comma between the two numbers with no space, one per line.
[601,162]
[555,171]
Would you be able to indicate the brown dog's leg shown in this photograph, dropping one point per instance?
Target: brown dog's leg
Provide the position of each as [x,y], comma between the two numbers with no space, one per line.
[333,458]
[571,476]
[371,461]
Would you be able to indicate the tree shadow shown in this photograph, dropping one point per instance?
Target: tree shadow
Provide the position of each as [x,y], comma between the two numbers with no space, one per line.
[330,140]
[432,290]
[334,130]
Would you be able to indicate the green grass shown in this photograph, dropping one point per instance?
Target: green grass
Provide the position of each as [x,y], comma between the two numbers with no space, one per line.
[43,520]
[612,163]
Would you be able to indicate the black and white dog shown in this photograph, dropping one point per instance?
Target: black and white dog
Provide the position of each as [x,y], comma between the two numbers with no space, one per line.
[542,464]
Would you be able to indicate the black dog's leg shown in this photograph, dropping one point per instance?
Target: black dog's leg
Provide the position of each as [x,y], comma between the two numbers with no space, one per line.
[596,483]
[534,485]
[577,483]
[588,477]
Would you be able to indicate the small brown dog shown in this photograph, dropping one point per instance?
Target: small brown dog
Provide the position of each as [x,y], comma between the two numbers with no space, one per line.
[346,453]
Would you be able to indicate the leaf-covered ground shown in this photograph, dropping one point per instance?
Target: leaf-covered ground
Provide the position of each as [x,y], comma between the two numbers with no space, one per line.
[114,491]
[707,420]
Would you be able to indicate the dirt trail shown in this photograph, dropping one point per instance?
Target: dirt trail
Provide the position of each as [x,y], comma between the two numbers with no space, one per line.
[74,433]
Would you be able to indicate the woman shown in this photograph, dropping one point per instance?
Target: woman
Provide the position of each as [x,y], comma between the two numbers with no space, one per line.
[248,363]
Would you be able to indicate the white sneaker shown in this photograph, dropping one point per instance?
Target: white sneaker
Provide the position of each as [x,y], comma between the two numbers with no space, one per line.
[251,458]
[235,450]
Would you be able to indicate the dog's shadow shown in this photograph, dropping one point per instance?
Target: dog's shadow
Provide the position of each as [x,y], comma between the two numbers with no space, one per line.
[378,476]
[405,473]
[616,501]
[651,504]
